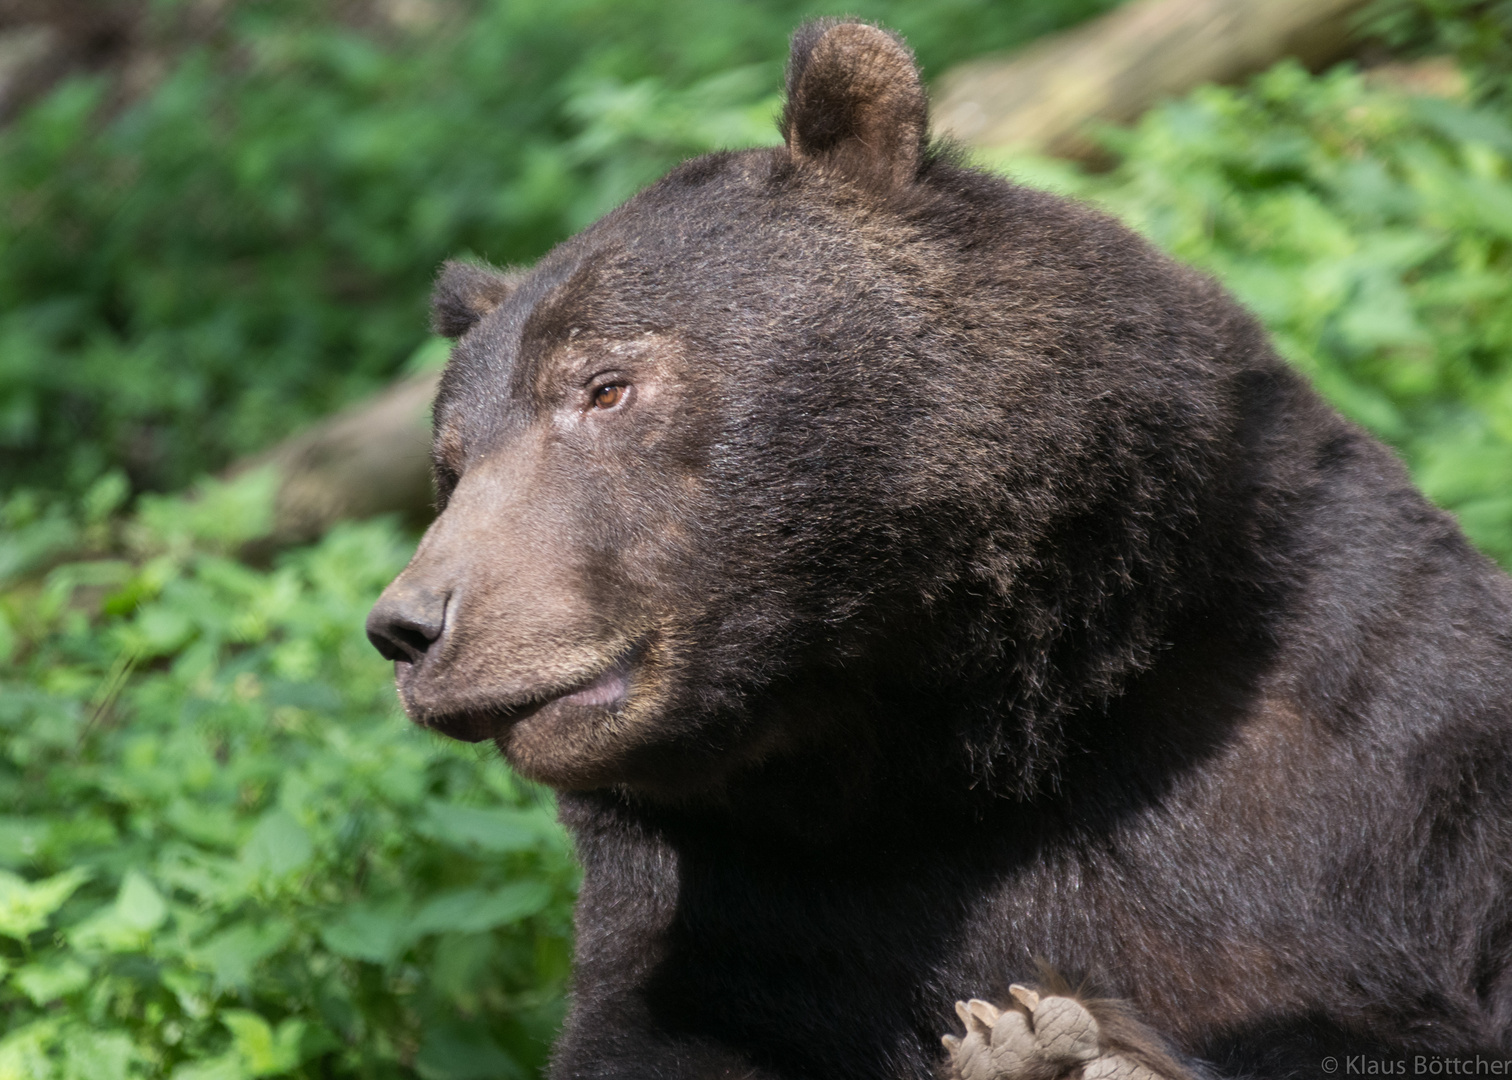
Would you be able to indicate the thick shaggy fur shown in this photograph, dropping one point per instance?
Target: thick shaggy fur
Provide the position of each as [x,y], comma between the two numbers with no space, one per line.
[955,584]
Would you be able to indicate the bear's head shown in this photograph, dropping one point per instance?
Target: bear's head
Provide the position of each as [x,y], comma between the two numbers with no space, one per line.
[792,434]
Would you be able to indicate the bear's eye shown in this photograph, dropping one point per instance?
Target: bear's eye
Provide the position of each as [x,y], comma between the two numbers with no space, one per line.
[607,397]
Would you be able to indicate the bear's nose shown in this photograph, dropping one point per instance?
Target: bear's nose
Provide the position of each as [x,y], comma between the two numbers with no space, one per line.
[406,621]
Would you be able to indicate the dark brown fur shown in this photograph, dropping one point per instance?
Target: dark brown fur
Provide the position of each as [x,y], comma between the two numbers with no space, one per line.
[950,580]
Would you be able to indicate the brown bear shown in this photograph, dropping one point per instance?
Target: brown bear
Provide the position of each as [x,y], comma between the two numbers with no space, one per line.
[916,586]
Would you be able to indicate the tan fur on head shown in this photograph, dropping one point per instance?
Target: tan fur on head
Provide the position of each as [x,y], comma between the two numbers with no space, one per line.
[855,106]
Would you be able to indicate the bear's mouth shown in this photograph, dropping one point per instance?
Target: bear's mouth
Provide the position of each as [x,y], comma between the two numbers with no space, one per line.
[608,690]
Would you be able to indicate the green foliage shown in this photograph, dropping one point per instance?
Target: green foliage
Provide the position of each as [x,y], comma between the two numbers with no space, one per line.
[1372,232]
[250,244]
[225,853]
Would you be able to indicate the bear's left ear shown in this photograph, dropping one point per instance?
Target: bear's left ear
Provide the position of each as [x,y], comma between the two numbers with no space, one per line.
[464,293]
[855,103]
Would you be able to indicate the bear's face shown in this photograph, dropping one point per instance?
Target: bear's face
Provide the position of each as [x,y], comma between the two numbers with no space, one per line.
[790,436]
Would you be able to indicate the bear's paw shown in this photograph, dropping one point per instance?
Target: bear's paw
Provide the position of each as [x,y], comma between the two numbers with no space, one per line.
[1036,1038]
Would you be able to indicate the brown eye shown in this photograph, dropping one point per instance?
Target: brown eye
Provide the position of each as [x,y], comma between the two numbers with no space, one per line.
[607,397]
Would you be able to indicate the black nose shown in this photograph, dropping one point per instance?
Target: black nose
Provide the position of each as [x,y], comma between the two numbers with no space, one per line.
[406,621]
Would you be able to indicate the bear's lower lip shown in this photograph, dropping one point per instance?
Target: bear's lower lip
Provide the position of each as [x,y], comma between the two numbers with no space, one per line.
[607,690]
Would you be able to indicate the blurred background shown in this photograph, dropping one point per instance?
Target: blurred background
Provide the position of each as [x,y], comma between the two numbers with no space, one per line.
[223,852]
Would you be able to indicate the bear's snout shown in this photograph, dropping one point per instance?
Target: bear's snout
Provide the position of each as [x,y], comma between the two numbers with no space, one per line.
[406,622]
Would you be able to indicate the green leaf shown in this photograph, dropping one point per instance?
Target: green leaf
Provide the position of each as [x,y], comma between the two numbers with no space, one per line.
[228,1066]
[139,905]
[125,925]
[278,846]
[97,1055]
[231,955]
[48,982]
[377,932]
[24,1052]
[467,911]
[492,829]
[21,839]
[462,1050]
[264,1051]
[25,907]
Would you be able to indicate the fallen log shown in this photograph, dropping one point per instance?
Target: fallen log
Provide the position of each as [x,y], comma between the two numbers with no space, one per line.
[371,458]
[1049,97]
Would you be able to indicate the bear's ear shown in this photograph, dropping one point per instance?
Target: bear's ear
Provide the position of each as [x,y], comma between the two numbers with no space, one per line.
[464,293]
[855,103]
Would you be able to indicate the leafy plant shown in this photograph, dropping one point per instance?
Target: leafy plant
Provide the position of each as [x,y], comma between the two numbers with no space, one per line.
[225,853]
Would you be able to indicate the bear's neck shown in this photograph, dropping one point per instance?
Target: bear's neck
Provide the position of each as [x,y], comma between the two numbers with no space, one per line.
[909,763]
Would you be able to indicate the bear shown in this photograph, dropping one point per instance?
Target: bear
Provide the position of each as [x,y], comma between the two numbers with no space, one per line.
[960,645]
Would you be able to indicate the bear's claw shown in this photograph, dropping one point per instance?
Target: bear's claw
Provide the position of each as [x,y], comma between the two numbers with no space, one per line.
[1038,1038]
[1024,995]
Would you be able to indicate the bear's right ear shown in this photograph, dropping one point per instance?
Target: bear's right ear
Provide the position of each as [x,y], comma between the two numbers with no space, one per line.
[855,103]
[464,293]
